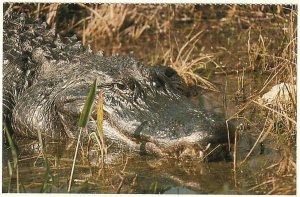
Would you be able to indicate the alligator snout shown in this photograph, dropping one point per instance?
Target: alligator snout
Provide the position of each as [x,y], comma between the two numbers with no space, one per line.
[182,129]
[173,126]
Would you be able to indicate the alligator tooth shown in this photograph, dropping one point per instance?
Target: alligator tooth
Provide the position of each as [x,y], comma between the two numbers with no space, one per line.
[201,154]
[207,147]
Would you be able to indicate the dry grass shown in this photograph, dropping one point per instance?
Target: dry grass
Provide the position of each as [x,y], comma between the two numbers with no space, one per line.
[117,24]
[183,60]
[106,23]
[280,115]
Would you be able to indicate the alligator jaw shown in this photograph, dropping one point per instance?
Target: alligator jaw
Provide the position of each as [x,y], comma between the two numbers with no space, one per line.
[186,151]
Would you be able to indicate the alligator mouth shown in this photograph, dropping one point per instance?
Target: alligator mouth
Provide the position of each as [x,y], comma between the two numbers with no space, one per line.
[197,146]
[188,151]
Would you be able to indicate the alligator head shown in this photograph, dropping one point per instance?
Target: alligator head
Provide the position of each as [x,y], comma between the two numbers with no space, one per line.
[146,108]
[152,107]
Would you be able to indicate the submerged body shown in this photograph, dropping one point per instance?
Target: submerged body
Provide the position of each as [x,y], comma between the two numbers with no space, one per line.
[146,108]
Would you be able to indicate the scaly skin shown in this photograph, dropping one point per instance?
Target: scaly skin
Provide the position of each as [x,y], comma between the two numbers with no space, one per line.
[146,108]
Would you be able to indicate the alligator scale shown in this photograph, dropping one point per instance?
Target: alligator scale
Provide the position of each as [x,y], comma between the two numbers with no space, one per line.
[46,78]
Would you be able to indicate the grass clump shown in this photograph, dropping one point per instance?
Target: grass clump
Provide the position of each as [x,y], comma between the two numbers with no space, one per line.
[83,121]
[278,115]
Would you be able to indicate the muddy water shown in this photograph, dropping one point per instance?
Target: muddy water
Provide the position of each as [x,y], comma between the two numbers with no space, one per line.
[153,175]
[227,42]
[169,176]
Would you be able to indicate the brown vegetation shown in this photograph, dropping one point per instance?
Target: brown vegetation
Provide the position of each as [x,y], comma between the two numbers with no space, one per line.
[119,25]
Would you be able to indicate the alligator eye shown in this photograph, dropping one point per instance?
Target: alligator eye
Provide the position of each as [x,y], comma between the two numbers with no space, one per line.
[169,72]
[121,86]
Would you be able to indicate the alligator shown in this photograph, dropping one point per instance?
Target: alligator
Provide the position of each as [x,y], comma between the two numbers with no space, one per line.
[147,108]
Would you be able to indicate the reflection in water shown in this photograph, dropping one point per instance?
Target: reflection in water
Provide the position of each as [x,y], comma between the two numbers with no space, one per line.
[179,190]
[138,174]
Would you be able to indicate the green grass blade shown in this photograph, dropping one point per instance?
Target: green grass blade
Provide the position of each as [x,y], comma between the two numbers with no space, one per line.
[10,176]
[40,140]
[23,190]
[45,186]
[153,187]
[84,117]
[74,161]
[13,148]
[83,188]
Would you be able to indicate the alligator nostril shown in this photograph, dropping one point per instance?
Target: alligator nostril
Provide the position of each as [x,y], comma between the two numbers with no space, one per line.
[169,72]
